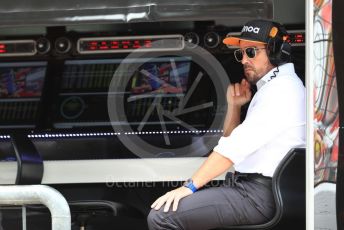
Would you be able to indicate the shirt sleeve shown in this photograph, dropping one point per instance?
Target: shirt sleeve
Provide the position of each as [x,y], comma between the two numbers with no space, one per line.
[268,117]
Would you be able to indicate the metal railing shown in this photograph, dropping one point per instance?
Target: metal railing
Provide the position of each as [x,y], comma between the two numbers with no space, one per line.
[39,194]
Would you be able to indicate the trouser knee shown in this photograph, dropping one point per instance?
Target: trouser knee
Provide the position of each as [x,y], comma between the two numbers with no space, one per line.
[154,220]
[157,220]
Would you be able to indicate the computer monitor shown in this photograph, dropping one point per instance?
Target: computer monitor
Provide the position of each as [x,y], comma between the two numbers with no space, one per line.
[21,79]
[161,75]
[21,85]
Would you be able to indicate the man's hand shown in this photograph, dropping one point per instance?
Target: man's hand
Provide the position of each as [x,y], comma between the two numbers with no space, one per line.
[239,94]
[171,197]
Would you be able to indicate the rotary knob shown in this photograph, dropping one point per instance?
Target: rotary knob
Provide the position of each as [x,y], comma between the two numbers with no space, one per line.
[62,45]
[191,39]
[42,45]
[211,39]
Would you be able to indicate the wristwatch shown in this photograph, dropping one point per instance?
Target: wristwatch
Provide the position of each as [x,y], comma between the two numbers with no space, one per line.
[189,184]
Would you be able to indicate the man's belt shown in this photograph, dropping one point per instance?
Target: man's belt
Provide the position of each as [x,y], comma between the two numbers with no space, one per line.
[259,178]
[233,178]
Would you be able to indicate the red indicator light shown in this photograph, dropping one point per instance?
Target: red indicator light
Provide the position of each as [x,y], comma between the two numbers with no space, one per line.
[128,43]
[3,48]
[299,36]
[114,45]
[298,40]
[92,45]
[137,44]
[125,44]
[104,45]
[148,43]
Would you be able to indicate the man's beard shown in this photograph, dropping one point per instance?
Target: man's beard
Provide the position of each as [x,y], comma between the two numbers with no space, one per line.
[253,77]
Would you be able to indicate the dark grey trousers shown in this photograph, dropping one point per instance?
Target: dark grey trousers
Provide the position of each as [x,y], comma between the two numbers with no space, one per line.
[1,221]
[244,202]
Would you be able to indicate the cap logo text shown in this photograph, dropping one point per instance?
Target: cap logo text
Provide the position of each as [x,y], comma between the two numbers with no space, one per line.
[250,29]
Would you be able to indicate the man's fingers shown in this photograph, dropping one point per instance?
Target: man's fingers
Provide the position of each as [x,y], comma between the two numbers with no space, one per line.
[244,84]
[159,204]
[248,93]
[246,89]
[171,197]
[155,202]
[237,89]
[231,90]
[175,203]
[161,201]
[168,203]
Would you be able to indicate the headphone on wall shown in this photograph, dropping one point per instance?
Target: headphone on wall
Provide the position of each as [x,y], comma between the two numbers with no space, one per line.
[279,50]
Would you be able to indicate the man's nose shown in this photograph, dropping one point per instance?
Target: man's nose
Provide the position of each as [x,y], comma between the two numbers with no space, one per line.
[244,58]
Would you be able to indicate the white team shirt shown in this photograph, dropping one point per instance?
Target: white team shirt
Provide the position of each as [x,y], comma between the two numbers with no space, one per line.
[275,122]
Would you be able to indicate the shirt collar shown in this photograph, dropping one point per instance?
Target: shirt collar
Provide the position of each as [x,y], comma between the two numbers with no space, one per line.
[285,68]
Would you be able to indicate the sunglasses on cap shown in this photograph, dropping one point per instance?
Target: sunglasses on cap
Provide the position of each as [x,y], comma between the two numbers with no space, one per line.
[250,53]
